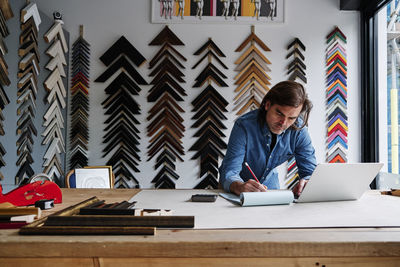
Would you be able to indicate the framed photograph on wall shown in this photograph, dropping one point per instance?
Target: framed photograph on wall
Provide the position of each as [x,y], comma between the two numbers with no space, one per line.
[217,11]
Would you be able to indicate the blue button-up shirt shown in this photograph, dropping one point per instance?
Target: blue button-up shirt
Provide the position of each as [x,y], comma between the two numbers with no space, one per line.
[250,143]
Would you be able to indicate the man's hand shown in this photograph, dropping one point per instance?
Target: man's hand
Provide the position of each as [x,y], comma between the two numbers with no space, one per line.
[299,187]
[249,186]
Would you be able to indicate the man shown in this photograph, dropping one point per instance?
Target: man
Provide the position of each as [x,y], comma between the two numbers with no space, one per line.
[266,138]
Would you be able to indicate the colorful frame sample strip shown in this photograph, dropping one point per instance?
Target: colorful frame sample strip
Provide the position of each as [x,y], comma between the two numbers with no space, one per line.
[27,89]
[4,81]
[297,72]
[166,125]
[79,129]
[122,136]
[210,107]
[53,120]
[336,97]
[252,80]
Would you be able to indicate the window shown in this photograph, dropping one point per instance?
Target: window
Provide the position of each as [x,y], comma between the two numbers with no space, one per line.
[388,76]
[388,54]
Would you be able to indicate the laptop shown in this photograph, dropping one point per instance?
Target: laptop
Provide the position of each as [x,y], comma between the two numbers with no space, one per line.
[339,181]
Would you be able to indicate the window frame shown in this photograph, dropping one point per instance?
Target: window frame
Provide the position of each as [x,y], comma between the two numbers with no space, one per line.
[369,76]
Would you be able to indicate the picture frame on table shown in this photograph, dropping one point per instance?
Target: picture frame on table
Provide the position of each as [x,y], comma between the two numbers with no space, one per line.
[94,177]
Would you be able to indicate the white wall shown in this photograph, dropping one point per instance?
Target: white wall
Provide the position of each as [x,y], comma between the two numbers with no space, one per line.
[309,20]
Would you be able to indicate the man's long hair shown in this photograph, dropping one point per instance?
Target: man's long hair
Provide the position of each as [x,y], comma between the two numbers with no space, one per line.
[287,93]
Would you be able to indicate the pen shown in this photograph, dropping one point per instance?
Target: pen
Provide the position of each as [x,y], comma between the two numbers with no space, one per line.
[248,167]
[252,173]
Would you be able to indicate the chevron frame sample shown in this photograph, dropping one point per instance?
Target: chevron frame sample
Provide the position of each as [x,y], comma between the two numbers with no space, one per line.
[53,135]
[6,10]
[252,80]
[20,92]
[27,89]
[210,107]
[296,67]
[4,81]
[166,124]
[297,72]
[336,97]
[122,136]
[79,128]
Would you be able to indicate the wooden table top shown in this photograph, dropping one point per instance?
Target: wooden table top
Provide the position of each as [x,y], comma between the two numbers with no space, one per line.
[333,242]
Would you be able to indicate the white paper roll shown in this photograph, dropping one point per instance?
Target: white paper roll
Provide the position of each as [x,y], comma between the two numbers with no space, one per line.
[271,197]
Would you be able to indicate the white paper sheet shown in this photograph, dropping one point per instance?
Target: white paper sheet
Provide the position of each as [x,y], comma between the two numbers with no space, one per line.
[371,210]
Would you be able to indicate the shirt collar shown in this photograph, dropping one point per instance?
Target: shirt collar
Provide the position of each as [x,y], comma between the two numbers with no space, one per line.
[267,132]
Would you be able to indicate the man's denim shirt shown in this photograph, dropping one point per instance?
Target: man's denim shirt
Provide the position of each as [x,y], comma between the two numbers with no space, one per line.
[250,143]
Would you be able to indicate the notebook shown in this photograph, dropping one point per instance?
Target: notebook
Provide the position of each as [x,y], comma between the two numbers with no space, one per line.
[339,181]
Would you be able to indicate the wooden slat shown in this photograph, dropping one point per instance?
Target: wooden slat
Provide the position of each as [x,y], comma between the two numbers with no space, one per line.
[70,210]
[254,262]
[46,261]
[21,211]
[6,8]
[201,262]
[89,230]
[124,220]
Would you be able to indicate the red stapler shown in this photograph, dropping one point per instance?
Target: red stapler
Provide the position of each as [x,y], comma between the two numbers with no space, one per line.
[28,194]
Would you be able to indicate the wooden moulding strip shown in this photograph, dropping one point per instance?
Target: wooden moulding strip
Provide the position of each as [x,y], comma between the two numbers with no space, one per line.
[106,211]
[6,9]
[71,210]
[21,211]
[114,220]
[87,230]
[38,228]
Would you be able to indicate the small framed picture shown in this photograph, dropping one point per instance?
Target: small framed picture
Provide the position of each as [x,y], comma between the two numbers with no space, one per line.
[94,177]
[218,11]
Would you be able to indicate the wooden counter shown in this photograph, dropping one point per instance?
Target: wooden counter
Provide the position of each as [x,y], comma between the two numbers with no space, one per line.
[239,247]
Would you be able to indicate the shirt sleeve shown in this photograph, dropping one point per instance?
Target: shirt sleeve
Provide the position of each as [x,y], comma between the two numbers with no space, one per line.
[231,166]
[305,154]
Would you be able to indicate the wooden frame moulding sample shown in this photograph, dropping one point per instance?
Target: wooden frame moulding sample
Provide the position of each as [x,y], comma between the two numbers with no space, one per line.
[39,227]
[124,221]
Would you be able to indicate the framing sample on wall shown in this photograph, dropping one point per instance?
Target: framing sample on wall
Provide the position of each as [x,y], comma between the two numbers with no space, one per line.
[217,11]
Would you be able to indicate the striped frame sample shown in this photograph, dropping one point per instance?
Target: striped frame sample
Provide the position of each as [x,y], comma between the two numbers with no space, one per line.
[336,97]
[4,81]
[297,72]
[122,135]
[53,122]
[210,107]
[166,125]
[79,129]
[27,89]
[252,81]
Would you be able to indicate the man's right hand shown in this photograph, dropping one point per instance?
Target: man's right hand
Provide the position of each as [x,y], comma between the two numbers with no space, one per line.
[249,186]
